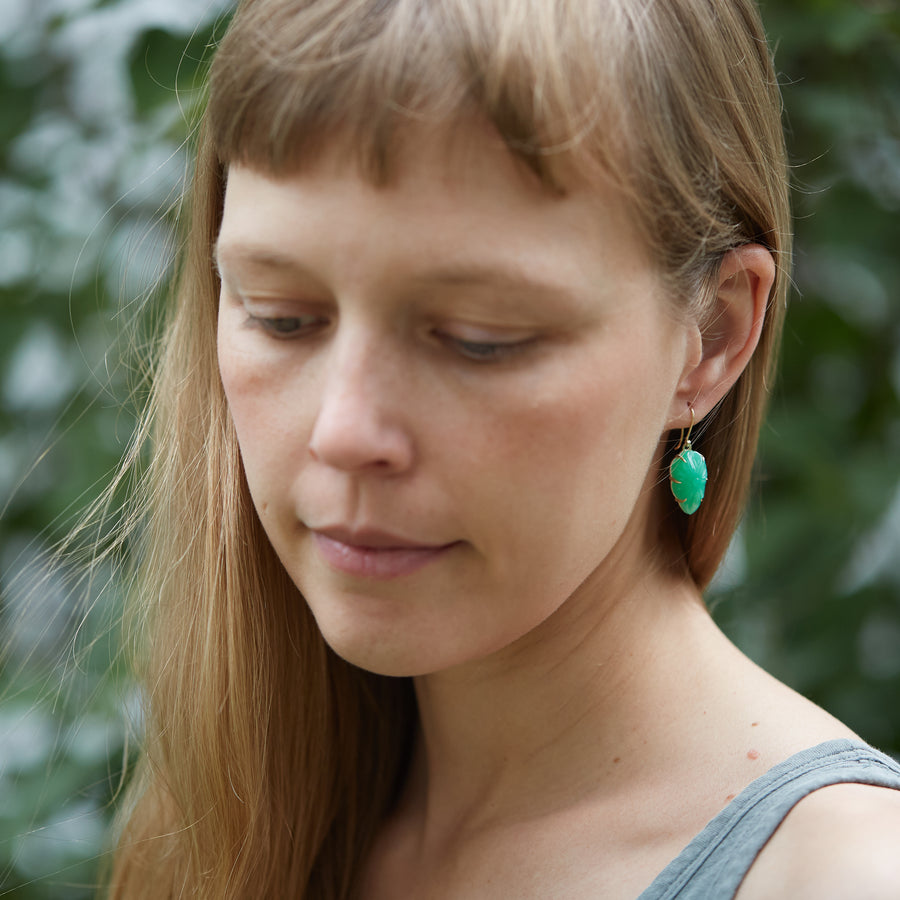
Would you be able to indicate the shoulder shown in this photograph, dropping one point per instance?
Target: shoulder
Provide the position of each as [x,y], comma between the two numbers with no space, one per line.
[839,842]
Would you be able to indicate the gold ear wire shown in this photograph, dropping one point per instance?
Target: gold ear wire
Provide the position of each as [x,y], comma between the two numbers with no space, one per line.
[684,443]
[687,440]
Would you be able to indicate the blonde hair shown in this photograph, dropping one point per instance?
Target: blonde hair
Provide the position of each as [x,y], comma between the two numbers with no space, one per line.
[269,761]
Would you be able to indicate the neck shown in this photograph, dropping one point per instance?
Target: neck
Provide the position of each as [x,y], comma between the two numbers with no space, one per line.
[566,712]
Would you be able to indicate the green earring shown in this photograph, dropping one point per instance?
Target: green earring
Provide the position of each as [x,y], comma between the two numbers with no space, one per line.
[687,474]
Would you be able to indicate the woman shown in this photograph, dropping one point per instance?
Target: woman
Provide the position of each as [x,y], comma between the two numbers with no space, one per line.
[468,285]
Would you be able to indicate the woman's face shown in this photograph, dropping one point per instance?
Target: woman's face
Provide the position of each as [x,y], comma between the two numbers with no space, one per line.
[448,391]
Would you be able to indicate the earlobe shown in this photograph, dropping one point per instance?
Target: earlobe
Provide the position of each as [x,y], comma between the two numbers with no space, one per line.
[731,331]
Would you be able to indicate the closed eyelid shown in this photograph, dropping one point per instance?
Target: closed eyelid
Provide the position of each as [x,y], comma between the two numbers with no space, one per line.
[487,335]
[287,327]
[485,348]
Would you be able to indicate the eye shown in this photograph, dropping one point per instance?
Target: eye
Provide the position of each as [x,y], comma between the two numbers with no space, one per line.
[486,351]
[287,326]
[483,351]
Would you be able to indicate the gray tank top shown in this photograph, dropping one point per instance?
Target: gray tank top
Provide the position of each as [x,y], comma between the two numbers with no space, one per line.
[715,862]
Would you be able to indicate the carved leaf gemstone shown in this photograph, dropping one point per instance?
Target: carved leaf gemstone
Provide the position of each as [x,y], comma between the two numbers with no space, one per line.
[687,474]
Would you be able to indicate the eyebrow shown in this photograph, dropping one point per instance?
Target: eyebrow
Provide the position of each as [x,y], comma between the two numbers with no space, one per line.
[498,275]
[495,275]
[259,256]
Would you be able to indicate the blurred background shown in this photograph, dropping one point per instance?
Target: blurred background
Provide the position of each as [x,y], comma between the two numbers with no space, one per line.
[96,97]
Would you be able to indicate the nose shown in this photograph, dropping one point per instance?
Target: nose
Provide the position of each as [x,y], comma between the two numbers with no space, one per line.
[360,424]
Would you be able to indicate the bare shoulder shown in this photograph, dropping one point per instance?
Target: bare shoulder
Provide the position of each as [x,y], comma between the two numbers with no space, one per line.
[839,842]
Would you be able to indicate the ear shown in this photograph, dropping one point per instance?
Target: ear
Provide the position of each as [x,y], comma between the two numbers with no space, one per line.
[725,342]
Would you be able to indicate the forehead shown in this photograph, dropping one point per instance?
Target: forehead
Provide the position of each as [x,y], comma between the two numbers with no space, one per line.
[450,192]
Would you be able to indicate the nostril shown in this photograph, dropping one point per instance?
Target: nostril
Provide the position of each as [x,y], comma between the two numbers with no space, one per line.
[367,444]
[360,424]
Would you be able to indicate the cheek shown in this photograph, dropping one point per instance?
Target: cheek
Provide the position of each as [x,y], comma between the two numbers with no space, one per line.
[601,424]
[568,466]
[246,392]
[244,389]
[256,402]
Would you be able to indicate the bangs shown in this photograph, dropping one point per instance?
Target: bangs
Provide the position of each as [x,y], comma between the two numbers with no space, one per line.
[672,102]
[291,79]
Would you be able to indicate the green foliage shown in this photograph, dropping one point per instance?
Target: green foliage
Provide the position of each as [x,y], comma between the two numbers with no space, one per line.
[817,599]
[95,104]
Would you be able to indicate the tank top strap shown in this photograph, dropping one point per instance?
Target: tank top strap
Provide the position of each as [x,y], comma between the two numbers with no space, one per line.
[714,863]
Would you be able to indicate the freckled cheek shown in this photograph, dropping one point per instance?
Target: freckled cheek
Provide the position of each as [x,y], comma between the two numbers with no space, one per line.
[255,379]
[234,367]
[548,487]
[562,439]
[245,384]
[593,439]
[266,428]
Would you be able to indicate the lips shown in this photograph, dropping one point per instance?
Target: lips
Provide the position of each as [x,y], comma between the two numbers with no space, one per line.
[375,554]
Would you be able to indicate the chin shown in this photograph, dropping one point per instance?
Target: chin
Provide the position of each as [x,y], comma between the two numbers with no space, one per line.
[382,657]
[373,643]
[397,648]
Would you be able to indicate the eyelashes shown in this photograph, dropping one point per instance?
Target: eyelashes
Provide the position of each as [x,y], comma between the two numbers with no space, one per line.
[485,351]
[285,328]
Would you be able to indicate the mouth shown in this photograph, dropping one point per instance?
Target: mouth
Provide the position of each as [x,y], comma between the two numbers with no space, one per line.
[375,554]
